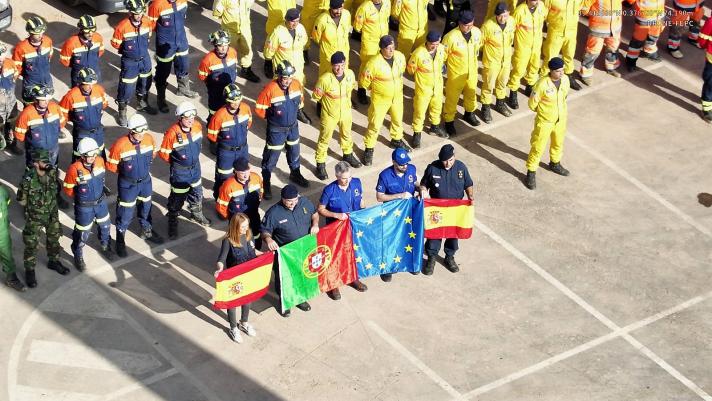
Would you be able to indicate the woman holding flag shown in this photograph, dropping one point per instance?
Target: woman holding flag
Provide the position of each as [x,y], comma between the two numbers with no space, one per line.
[237,247]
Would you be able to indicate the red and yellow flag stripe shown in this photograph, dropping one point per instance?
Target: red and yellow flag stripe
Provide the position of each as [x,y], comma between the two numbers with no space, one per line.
[244,283]
[449,218]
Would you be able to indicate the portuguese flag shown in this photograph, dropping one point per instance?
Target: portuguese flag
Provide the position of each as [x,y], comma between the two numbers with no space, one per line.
[449,218]
[244,283]
[316,263]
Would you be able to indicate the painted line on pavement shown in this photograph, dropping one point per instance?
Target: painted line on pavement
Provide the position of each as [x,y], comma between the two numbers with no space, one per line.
[143,383]
[413,359]
[644,188]
[586,346]
[591,310]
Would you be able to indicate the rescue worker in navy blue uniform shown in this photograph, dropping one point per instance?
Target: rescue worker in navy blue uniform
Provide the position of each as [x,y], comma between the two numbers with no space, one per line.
[218,69]
[84,182]
[288,220]
[281,103]
[181,148]
[398,181]
[83,50]
[131,157]
[83,106]
[228,131]
[131,40]
[339,198]
[445,178]
[32,58]
[168,17]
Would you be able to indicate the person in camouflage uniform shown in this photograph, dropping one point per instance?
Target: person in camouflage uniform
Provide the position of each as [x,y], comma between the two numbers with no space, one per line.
[6,259]
[38,194]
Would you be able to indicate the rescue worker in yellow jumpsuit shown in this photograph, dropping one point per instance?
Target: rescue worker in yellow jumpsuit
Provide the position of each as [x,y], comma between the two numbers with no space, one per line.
[333,96]
[331,33]
[383,75]
[462,46]
[497,39]
[370,25]
[426,66]
[649,25]
[529,22]
[286,44]
[276,9]
[234,18]
[605,19]
[562,21]
[548,101]
[412,18]
[310,12]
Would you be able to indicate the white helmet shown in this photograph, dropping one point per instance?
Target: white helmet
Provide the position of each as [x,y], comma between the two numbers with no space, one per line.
[87,147]
[186,107]
[137,121]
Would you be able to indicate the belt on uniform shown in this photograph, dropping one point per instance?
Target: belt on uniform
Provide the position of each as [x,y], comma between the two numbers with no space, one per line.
[181,167]
[137,181]
[230,148]
[90,203]
[278,128]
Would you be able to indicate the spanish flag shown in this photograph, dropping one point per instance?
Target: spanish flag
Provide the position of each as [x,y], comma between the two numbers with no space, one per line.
[244,283]
[449,218]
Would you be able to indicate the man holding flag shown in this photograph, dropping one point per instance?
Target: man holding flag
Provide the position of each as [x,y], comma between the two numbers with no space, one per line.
[286,221]
[445,178]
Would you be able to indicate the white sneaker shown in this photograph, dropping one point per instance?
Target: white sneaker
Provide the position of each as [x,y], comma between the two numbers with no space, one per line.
[247,328]
[676,54]
[235,335]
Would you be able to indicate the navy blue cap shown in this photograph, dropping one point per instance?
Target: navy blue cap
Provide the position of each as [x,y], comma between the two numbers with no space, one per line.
[242,164]
[385,41]
[466,17]
[291,14]
[500,8]
[446,152]
[333,4]
[289,192]
[338,57]
[556,63]
[433,36]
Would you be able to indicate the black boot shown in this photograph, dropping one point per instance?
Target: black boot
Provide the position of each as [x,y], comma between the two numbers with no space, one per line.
[305,53]
[530,181]
[30,278]
[14,282]
[150,236]
[438,131]
[558,169]
[246,72]
[450,128]
[486,114]
[57,266]
[416,139]
[79,263]
[707,116]
[512,101]
[184,87]
[197,216]
[429,265]
[122,119]
[297,177]
[451,265]
[143,104]
[352,160]
[470,118]
[528,90]
[106,252]
[362,96]
[630,64]
[501,107]
[120,244]
[161,98]
[267,186]
[321,171]
[303,117]
[573,83]
[172,225]
[368,156]
[398,143]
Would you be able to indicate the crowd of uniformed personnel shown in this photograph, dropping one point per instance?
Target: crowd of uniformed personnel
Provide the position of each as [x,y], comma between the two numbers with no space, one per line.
[444,65]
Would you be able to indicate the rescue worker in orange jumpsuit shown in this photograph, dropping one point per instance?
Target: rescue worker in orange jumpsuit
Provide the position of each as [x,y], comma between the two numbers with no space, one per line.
[686,13]
[242,193]
[83,49]
[649,25]
[218,70]
[604,22]
[32,58]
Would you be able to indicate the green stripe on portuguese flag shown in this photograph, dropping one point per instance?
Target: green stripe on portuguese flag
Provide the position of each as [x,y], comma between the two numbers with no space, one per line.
[316,263]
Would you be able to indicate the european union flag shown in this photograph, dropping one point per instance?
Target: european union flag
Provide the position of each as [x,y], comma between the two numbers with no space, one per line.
[388,238]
